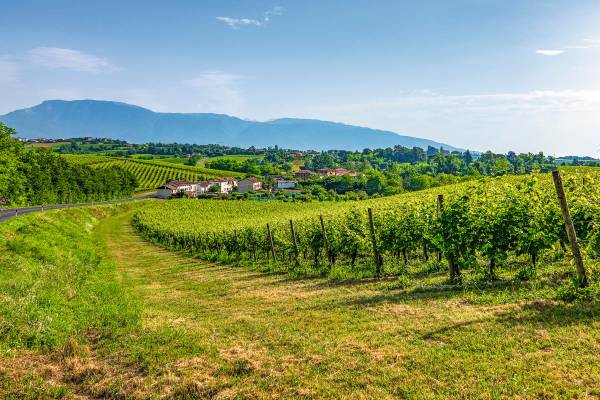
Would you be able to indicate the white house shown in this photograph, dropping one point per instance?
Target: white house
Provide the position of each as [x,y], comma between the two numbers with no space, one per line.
[175,187]
[285,184]
[250,184]
[225,185]
[192,189]
[202,187]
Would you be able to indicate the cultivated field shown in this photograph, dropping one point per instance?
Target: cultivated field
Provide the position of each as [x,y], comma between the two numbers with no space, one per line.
[91,309]
[510,222]
[152,173]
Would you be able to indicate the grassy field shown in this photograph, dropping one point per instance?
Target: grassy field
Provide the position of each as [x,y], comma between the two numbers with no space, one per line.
[195,330]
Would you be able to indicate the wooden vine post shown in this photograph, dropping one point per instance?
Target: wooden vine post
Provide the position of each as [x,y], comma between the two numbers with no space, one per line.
[564,206]
[270,239]
[325,239]
[295,243]
[454,271]
[440,204]
[378,258]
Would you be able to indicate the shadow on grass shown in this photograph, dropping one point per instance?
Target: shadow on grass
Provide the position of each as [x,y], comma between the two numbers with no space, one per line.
[390,293]
[540,314]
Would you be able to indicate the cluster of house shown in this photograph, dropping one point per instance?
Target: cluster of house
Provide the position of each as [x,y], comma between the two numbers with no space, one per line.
[250,184]
[221,186]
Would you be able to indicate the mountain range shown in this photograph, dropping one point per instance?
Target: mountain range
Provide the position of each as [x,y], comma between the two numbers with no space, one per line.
[55,119]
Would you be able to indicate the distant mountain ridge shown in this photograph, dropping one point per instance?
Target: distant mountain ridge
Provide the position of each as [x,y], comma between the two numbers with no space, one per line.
[78,118]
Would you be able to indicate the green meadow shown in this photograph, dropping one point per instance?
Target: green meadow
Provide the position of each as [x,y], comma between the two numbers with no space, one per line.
[91,310]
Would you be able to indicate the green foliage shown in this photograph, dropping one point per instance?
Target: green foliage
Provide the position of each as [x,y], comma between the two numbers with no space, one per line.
[38,176]
[490,220]
[56,281]
[12,182]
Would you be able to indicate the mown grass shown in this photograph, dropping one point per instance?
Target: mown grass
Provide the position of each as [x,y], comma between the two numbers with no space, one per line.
[210,331]
[55,282]
[57,287]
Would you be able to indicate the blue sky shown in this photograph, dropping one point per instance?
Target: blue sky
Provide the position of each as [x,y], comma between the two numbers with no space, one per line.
[500,75]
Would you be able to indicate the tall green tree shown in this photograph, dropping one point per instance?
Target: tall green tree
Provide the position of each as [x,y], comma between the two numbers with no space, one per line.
[12,182]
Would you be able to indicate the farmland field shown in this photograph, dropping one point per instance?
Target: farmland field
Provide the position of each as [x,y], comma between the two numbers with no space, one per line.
[92,308]
[504,222]
[134,320]
[151,173]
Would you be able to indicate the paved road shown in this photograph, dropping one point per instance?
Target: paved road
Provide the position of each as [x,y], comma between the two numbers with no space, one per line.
[9,213]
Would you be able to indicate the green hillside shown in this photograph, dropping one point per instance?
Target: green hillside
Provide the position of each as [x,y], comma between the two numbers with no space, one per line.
[152,173]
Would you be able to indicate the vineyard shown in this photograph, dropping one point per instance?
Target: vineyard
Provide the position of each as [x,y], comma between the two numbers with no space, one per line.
[151,173]
[481,226]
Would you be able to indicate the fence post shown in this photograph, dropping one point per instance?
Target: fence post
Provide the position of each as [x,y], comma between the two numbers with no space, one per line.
[564,206]
[378,259]
[294,242]
[325,239]
[270,238]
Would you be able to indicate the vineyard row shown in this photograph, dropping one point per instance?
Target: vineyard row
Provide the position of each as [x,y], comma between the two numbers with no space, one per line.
[491,220]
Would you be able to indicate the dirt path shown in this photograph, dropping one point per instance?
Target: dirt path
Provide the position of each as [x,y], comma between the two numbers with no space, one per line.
[223,332]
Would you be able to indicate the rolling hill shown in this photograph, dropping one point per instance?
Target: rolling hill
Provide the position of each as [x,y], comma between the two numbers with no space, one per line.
[80,118]
[151,173]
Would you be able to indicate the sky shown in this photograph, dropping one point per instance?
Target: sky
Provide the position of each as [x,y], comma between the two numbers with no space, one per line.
[485,75]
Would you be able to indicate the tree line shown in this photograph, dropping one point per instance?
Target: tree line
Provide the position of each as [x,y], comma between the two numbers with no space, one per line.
[38,176]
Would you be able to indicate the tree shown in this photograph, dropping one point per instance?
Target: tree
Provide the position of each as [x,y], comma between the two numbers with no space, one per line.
[39,176]
[12,182]
[500,166]
[375,183]
[467,157]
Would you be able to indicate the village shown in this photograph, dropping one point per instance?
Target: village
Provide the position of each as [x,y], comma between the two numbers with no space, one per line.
[285,184]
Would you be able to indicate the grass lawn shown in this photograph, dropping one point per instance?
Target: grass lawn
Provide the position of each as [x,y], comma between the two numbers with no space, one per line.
[209,331]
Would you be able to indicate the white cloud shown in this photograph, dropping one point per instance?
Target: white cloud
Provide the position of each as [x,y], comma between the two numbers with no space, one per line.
[549,52]
[235,23]
[74,60]
[587,44]
[561,122]
[525,102]
[217,91]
